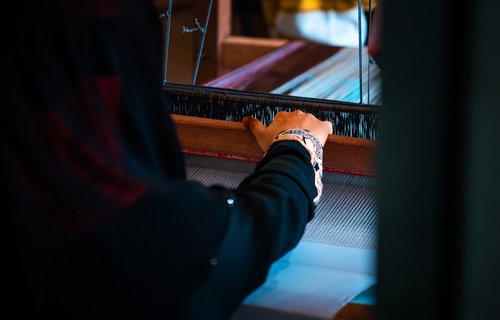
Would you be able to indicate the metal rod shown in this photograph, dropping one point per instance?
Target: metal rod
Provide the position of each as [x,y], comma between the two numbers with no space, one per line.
[360,53]
[202,44]
[167,41]
[264,98]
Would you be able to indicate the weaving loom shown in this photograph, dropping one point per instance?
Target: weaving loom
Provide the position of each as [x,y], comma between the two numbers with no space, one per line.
[345,226]
[338,248]
[438,171]
[339,245]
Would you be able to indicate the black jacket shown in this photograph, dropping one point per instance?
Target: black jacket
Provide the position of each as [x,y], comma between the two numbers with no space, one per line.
[98,220]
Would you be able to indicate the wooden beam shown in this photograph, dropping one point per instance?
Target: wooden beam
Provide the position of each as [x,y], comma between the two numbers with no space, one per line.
[356,311]
[230,139]
[224,23]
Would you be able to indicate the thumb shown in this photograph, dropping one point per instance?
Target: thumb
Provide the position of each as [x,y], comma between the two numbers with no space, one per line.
[253,125]
[257,129]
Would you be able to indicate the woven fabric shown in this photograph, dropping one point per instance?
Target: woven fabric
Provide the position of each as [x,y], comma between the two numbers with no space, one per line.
[346,214]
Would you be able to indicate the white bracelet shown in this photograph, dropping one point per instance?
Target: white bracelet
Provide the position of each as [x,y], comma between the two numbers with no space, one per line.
[315,149]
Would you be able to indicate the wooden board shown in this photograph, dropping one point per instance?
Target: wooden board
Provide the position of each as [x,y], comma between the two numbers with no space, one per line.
[356,311]
[231,140]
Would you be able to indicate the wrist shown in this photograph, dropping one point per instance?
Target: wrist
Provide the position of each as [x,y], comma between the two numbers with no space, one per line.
[315,149]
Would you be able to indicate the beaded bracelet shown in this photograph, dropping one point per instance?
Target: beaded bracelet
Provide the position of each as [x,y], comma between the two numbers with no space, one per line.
[315,149]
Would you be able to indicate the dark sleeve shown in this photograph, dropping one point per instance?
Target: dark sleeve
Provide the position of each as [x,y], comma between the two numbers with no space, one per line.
[194,250]
[187,249]
[268,216]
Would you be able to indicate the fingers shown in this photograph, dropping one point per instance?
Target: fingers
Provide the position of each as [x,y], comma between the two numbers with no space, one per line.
[253,125]
[287,120]
[257,129]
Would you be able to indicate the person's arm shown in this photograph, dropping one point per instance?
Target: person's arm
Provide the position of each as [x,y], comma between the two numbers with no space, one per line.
[269,212]
[231,236]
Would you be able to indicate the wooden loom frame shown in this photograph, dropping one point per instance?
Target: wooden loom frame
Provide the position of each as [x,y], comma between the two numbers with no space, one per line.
[226,52]
[225,139]
[229,139]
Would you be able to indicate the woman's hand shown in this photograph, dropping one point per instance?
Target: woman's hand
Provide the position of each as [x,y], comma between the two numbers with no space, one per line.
[284,121]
